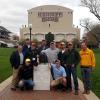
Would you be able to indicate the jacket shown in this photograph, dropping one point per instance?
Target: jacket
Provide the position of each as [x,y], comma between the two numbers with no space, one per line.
[72,57]
[62,57]
[15,59]
[87,58]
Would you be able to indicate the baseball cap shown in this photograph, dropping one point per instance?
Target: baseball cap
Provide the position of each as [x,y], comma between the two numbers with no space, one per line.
[27,60]
[70,43]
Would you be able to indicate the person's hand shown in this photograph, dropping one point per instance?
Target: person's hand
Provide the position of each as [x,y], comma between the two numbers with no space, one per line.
[73,65]
[92,69]
[65,65]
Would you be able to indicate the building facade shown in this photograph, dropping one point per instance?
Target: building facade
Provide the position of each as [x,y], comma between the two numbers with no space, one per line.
[50,18]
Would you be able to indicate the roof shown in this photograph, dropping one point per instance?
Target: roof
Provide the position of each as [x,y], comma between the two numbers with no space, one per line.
[3,29]
[50,7]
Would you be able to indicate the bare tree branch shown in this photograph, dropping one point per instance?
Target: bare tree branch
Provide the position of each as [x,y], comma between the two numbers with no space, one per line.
[86,24]
[93,5]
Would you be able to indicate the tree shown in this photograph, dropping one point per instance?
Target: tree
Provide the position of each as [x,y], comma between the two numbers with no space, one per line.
[94,7]
[49,37]
[96,32]
[90,27]
[91,40]
[76,42]
[86,23]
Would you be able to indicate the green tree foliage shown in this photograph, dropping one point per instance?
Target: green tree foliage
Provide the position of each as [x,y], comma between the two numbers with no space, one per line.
[49,37]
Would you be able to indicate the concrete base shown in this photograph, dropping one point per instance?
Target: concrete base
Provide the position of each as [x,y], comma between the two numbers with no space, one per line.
[42,77]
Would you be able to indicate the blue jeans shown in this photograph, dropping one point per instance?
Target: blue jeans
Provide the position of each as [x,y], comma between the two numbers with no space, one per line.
[72,70]
[28,84]
[86,73]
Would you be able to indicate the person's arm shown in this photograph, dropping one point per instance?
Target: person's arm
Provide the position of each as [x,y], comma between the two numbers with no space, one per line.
[77,57]
[63,73]
[43,51]
[12,59]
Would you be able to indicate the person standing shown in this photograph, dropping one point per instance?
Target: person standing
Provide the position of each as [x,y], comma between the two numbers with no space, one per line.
[26,47]
[32,54]
[62,54]
[51,52]
[72,60]
[43,46]
[87,63]
[16,60]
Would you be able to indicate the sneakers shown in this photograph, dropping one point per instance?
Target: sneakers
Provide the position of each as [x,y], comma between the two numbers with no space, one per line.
[76,92]
[13,89]
[86,92]
[69,90]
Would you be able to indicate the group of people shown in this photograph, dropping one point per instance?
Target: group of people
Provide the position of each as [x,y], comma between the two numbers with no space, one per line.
[63,63]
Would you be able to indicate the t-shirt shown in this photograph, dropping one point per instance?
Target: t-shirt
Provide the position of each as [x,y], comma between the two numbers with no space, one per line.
[21,58]
[58,72]
[52,54]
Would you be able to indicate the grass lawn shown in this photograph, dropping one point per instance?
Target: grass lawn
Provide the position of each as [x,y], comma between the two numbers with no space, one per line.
[5,68]
[95,74]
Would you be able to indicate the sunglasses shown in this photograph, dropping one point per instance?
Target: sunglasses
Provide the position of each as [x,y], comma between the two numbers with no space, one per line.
[69,44]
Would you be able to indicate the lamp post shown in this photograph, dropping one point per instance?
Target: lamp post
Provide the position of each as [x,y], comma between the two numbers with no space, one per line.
[30,28]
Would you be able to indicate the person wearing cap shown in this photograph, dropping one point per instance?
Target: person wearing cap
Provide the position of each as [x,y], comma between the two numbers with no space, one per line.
[72,60]
[51,52]
[59,74]
[16,60]
[26,75]
[33,54]
[87,63]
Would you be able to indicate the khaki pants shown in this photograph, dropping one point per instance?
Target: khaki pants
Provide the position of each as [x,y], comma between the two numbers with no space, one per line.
[15,78]
[58,81]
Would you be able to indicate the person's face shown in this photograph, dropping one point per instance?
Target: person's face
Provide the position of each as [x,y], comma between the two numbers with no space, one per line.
[33,47]
[62,46]
[58,63]
[70,46]
[27,42]
[52,46]
[83,46]
[27,63]
[20,48]
[43,42]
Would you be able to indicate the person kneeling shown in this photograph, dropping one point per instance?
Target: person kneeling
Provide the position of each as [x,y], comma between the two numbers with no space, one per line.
[59,75]
[26,76]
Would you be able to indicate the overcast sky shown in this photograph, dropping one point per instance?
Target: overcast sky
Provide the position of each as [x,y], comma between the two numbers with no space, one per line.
[13,13]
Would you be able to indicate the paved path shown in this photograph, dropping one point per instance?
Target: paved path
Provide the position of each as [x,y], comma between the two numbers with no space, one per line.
[7,94]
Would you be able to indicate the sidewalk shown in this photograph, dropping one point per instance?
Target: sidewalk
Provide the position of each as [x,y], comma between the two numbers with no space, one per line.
[7,94]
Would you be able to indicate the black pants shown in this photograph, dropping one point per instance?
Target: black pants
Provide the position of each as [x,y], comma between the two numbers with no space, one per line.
[72,70]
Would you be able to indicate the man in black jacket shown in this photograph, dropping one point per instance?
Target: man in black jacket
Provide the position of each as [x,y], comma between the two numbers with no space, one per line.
[26,46]
[62,54]
[26,75]
[16,60]
[72,60]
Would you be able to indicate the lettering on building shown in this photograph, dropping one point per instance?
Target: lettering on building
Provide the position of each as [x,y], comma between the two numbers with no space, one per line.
[50,16]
